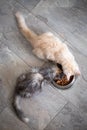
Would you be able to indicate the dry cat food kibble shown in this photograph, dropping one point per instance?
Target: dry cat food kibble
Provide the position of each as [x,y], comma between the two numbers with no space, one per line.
[63,81]
[61,78]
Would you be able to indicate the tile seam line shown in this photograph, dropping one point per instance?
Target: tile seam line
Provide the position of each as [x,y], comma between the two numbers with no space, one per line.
[73,47]
[51,29]
[65,40]
[26,7]
[56,114]
[68,101]
[15,116]
[39,19]
[63,95]
[30,11]
[15,53]
[80,112]
[48,26]
[4,109]
[62,109]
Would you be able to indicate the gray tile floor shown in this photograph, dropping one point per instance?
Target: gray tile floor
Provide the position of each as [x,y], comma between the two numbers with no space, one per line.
[52,109]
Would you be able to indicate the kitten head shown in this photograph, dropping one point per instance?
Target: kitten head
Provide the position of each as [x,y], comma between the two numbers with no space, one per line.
[67,60]
[71,68]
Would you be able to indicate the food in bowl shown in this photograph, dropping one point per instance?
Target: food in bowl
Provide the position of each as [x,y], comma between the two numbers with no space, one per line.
[61,79]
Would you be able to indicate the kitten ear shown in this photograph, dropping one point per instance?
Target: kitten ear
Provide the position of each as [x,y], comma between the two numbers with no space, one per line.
[78,73]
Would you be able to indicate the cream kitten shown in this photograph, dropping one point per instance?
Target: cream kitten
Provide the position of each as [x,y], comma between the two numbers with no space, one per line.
[49,47]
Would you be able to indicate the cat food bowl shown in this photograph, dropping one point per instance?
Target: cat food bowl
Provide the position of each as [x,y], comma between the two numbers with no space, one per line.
[60,81]
[63,83]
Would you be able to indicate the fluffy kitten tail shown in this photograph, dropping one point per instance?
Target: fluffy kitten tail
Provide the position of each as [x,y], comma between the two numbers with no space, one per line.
[27,32]
[18,110]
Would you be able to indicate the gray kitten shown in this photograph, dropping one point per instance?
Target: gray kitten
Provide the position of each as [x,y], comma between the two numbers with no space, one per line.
[28,84]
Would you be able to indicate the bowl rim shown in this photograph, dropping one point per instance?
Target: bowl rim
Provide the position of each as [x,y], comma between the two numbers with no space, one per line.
[65,86]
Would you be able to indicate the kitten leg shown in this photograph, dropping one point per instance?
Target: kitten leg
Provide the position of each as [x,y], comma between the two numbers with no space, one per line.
[38,53]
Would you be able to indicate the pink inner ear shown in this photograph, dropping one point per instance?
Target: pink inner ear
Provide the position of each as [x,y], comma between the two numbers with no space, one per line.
[78,73]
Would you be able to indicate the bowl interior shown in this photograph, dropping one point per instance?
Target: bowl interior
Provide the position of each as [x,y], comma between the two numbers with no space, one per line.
[66,84]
